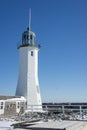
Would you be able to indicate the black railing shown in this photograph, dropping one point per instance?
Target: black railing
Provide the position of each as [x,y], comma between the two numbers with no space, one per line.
[30,45]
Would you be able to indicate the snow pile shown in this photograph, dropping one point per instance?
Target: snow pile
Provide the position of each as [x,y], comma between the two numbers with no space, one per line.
[5,124]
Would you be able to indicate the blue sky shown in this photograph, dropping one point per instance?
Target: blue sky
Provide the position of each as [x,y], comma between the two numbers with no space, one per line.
[61,29]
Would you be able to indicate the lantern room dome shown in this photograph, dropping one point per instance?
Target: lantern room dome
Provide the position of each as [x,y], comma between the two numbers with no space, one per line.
[28,39]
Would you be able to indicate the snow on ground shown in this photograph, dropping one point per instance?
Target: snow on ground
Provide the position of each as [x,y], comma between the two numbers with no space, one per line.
[6,124]
[69,125]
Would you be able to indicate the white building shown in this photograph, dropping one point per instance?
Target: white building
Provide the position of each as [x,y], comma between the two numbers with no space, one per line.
[28,84]
[11,105]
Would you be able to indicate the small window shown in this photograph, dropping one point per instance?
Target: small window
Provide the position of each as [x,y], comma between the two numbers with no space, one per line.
[24,36]
[31,37]
[31,53]
[18,106]
[1,103]
[1,107]
[27,36]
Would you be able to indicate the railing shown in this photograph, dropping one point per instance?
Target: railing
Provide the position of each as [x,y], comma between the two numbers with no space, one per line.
[54,112]
[30,45]
[58,108]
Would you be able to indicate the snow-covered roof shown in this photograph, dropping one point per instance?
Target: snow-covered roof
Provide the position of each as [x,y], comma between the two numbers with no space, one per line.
[12,98]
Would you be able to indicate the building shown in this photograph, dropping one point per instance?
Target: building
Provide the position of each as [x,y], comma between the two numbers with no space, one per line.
[12,105]
[28,83]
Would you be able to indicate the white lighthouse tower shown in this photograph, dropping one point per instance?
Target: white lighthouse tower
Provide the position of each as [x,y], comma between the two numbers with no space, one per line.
[28,84]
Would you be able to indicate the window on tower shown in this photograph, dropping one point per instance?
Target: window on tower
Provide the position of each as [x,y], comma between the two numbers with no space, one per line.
[24,36]
[30,36]
[27,37]
[31,53]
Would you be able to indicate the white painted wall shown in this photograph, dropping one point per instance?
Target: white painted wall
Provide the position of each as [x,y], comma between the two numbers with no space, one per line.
[28,84]
[12,100]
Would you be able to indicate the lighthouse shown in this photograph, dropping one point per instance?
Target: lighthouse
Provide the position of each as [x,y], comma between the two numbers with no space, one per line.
[28,83]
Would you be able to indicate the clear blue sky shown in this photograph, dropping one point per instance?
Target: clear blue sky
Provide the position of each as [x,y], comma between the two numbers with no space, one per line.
[61,29]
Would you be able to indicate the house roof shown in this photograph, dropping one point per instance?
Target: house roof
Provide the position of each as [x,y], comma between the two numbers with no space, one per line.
[5,97]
